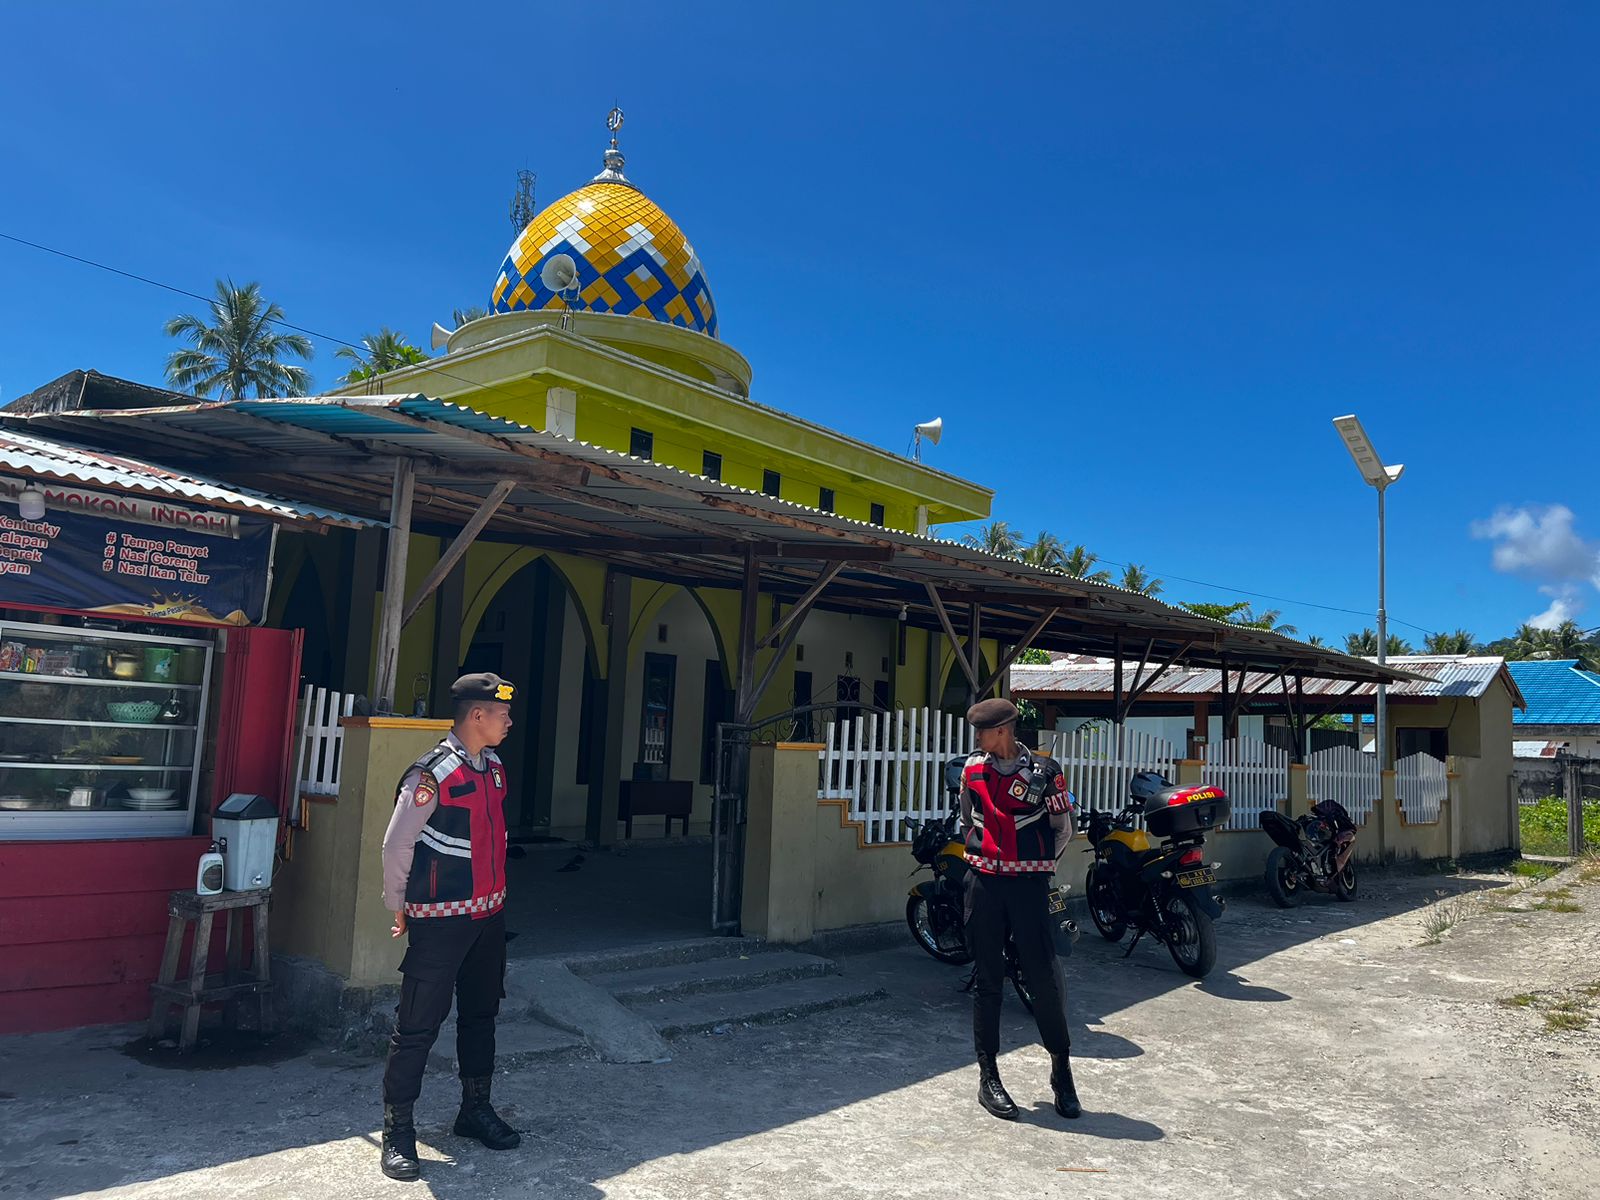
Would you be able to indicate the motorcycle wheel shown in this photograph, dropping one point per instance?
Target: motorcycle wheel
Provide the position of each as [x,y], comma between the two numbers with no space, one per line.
[947,946]
[1283,881]
[1102,910]
[1190,935]
[1344,883]
[1019,981]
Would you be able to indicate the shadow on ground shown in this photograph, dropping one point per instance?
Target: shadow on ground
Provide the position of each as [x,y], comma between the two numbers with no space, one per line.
[80,1117]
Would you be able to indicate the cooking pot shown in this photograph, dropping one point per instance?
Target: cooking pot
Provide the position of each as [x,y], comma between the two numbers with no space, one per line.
[82,796]
[123,664]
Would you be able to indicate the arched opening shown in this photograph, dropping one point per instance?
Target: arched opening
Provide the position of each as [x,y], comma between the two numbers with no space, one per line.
[307,608]
[957,693]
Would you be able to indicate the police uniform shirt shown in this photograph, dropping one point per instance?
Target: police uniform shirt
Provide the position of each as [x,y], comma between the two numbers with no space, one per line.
[411,813]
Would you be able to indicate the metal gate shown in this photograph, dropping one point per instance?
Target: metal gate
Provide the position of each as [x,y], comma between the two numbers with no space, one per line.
[730,795]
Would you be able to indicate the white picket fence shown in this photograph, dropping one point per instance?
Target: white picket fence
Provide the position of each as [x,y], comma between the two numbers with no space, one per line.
[320,744]
[1254,774]
[1346,775]
[889,766]
[1097,773]
[1421,782]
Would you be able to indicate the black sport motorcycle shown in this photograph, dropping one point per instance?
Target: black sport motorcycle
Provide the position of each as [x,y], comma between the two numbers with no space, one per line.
[935,909]
[1317,851]
[1164,890]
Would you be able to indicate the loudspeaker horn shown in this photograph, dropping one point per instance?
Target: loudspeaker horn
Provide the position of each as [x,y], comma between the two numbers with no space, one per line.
[441,336]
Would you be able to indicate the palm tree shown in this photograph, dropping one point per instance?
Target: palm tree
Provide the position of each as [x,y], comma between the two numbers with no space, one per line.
[996,537]
[1529,642]
[1079,563]
[1363,644]
[463,315]
[1269,620]
[239,351]
[1136,579]
[1240,612]
[1316,639]
[1458,642]
[386,351]
[1045,550]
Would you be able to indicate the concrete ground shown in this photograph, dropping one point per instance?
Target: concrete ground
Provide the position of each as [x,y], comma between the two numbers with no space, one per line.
[1332,1052]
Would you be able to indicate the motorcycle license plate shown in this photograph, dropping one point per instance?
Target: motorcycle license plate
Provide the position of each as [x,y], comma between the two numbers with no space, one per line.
[1196,878]
[1058,900]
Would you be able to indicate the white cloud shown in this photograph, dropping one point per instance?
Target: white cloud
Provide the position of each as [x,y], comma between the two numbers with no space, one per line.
[1564,606]
[1538,542]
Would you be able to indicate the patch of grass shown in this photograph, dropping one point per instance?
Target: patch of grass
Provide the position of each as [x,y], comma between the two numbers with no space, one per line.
[1558,893]
[1591,990]
[1523,1000]
[1537,871]
[1443,917]
[1558,1021]
[1544,826]
[1558,906]
[1589,867]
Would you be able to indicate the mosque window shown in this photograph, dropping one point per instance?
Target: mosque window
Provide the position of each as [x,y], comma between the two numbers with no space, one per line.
[771,482]
[877,514]
[642,443]
[711,465]
[825,499]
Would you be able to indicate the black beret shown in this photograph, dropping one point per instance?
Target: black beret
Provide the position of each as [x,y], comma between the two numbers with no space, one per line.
[991,713]
[483,686]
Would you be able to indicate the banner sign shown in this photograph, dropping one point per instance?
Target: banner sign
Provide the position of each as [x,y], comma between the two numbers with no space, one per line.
[185,565]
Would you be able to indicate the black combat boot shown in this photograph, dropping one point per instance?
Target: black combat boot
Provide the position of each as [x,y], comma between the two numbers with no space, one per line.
[399,1154]
[1061,1084]
[991,1092]
[477,1118]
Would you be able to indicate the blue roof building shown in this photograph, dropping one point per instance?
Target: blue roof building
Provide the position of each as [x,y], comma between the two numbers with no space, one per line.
[1563,708]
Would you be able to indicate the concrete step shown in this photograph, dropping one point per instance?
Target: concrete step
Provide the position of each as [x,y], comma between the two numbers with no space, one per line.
[648,984]
[518,1042]
[664,954]
[697,1012]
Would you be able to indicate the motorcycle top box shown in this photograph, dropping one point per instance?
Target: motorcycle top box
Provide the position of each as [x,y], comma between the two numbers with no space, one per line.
[1177,811]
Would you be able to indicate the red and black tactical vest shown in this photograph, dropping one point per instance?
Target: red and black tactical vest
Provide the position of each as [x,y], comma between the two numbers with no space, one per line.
[459,867]
[1008,833]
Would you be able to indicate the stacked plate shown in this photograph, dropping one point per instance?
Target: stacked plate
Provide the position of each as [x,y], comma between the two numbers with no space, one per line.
[152,799]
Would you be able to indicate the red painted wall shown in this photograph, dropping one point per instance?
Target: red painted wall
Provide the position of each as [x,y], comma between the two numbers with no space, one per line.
[82,927]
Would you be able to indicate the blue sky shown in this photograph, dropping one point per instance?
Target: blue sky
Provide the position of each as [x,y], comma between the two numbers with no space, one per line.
[1137,256]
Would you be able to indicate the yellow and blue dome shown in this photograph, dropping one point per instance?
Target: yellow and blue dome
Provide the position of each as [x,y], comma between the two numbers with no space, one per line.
[631,257]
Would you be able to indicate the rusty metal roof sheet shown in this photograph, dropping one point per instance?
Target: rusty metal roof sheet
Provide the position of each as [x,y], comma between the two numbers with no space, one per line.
[48,459]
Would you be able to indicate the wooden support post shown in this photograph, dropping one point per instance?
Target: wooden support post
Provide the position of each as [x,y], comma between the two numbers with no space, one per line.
[784,633]
[458,548]
[950,632]
[1011,655]
[974,650]
[394,582]
[608,738]
[749,597]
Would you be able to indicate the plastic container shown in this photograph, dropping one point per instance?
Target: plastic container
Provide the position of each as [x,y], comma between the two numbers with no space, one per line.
[1179,811]
[247,827]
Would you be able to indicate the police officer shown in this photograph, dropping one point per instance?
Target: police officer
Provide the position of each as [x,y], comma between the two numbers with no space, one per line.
[444,878]
[1017,816]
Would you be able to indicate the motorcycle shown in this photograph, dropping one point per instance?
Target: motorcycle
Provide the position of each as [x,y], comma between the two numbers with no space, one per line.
[1316,851]
[935,909]
[1164,890]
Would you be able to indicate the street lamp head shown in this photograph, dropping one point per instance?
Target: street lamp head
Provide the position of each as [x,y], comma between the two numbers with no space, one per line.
[1366,458]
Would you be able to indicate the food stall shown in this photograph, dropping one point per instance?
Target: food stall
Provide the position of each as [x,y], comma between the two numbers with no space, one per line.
[139,687]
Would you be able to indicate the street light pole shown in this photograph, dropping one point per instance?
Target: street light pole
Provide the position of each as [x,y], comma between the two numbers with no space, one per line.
[1380,477]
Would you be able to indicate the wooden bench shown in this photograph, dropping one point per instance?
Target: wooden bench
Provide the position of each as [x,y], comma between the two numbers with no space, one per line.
[667,798]
[200,989]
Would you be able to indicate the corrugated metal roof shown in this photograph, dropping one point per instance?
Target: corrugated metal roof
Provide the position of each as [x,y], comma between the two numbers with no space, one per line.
[640,499]
[52,460]
[1559,692]
[1443,675]
[1534,749]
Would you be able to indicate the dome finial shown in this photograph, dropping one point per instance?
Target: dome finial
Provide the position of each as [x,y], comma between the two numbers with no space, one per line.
[613,158]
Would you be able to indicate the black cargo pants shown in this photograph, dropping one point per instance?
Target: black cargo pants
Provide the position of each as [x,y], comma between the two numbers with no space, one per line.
[446,956]
[995,905]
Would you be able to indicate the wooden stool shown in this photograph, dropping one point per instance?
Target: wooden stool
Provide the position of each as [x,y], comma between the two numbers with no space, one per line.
[201,989]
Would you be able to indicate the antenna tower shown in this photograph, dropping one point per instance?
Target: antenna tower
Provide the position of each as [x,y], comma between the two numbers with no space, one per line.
[523,208]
